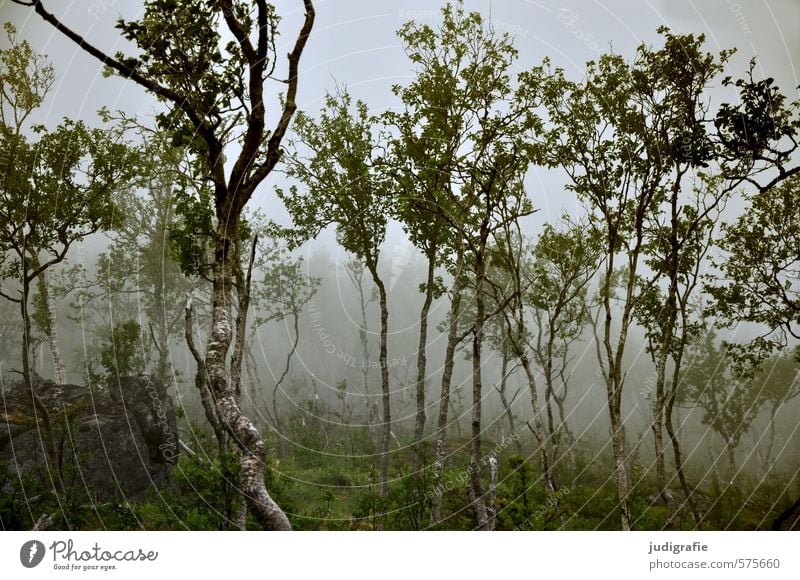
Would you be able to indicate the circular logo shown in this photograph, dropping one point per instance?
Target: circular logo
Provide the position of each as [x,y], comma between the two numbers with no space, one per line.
[31,553]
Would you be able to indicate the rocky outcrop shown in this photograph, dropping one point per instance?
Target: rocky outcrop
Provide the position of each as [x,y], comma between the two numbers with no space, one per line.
[117,442]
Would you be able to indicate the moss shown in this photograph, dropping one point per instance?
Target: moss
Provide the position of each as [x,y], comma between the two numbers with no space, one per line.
[17,417]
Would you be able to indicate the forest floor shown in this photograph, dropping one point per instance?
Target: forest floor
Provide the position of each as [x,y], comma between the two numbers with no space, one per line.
[326,481]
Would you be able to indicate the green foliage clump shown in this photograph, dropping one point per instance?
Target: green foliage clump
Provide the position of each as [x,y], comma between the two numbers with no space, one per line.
[124,354]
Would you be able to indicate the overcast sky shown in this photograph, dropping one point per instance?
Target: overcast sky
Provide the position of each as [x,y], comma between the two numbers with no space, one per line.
[354,44]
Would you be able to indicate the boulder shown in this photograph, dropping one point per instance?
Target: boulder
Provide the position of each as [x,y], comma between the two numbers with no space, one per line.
[117,442]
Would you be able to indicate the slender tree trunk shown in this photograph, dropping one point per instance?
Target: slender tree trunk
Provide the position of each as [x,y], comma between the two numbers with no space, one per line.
[614,375]
[538,426]
[713,460]
[621,475]
[51,330]
[419,425]
[548,395]
[658,433]
[614,393]
[671,395]
[358,282]
[245,434]
[477,493]
[731,452]
[676,443]
[201,382]
[557,433]
[491,508]
[284,374]
[564,425]
[457,412]
[507,407]
[665,348]
[519,347]
[41,413]
[767,461]
[444,398]
[382,360]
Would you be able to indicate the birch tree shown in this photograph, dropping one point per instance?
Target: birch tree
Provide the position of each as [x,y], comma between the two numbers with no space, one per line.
[428,135]
[492,195]
[336,161]
[628,136]
[280,296]
[613,158]
[355,271]
[464,95]
[730,401]
[56,188]
[512,288]
[564,263]
[213,94]
[759,280]
[760,269]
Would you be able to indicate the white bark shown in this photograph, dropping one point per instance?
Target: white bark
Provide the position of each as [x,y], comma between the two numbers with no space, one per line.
[51,331]
[491,508]
[246,436]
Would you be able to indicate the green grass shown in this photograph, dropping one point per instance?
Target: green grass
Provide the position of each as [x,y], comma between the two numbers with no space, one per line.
[334,484]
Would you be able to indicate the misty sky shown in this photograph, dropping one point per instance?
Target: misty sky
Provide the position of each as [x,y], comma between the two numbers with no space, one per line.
[354,44]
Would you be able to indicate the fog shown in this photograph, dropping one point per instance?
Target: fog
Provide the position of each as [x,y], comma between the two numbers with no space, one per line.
[332,390]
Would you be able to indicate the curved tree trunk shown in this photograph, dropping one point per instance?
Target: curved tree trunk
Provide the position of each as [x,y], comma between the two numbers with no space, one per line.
[658,433]
[508,406]
[516,330]
[201,382]
[665,348]
[419,426]
[678,455]
[246,436]
[562,417]
[538,426]
[279,382]
[444,398]
[676,443]
[41,414]
[382,361]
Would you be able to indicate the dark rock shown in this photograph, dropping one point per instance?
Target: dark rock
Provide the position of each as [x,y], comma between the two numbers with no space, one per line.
[115,443]
[152,408]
